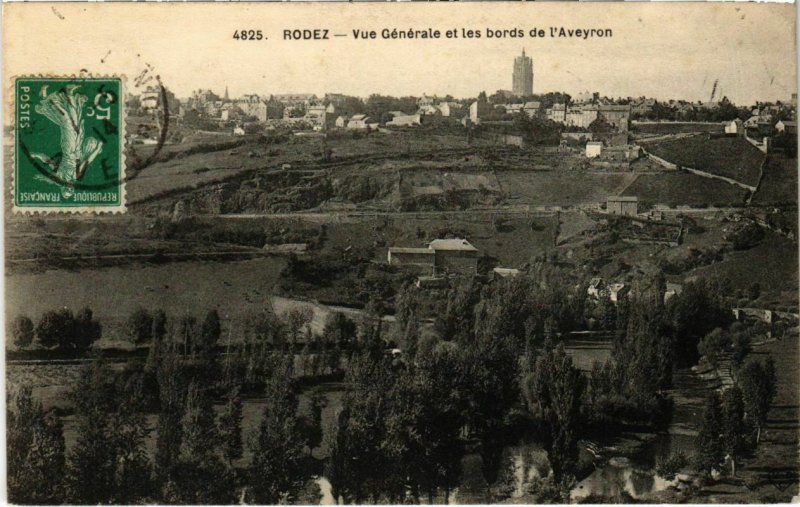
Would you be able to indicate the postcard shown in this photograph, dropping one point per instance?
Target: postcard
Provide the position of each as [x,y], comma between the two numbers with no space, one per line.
[384,253]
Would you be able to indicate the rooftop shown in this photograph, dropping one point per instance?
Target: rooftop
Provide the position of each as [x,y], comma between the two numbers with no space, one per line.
[623,198]
[452,244]
[410,250]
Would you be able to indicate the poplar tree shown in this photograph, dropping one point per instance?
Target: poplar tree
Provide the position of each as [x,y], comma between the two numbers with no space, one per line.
[709,443]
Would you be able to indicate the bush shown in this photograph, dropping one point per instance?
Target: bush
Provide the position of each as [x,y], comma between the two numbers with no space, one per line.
[139,326]
[22,331]
[668,468]
[746,237]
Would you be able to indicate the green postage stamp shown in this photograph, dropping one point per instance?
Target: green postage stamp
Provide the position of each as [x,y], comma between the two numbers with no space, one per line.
[69,140]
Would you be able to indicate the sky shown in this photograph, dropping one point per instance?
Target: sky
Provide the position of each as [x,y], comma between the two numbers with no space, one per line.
[674,50]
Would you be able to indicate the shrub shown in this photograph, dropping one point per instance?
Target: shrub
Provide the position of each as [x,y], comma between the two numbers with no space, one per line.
[22,331]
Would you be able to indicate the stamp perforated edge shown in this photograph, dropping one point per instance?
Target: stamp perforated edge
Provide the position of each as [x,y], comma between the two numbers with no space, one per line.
[11,102]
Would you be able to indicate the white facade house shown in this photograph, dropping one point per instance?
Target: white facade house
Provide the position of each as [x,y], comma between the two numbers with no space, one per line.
[735,127]
[594,149]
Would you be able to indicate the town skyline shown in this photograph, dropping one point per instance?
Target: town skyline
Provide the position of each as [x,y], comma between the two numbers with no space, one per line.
[647,55]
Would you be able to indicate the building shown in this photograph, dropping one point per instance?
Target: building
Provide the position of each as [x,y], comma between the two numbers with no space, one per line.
[510,108]
[455,256]
[253,105]
[317,115]
[295,99]
[623,205]
[557,113]
[401,119]
[448,109]
[341,122]
[358,121]
[786,126]
[427,100]
[735,127]
[617,115]
[442,257]
[594,149]
[531,108]
[580,117]
[522,79]
[478,110]
[420,260]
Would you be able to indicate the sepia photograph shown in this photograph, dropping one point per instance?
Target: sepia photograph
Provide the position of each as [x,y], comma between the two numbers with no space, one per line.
[337,253]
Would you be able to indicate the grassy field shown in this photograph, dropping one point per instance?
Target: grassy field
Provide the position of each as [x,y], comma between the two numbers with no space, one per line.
[551,188]
[732,157]
[779,185]
[513,243]
[195,170]
[681,188]
[773,264]
[233,288]
[775,467]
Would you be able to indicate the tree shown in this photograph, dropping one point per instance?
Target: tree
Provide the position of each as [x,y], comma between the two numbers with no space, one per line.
[600,126]
[35,453]
[276,469]
[158,347]
[713,344]
[210,332]
[198,476]
[22,331]
[758,384]
[553,389]
[108,463]
[52,327]
[139,326]
[357,467]
[172,395]
[198,430]
[230,426]
[733,426]
[311,425]
[709,444]
[87,330]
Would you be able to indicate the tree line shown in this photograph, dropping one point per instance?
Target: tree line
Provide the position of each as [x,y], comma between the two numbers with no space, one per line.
[489,371]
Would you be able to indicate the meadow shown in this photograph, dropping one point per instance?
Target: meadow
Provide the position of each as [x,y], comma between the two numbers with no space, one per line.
[732,157]
[680,188]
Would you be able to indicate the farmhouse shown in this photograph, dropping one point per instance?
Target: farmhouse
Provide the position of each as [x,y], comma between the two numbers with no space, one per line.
[442,257]
[735,127]
[622,205]
[358,121]
[455,256]
[594,149]
[401,119]
[789,127]
[420,260]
